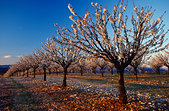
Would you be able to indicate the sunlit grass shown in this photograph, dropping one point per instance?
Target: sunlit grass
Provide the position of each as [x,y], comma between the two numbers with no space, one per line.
[154,84]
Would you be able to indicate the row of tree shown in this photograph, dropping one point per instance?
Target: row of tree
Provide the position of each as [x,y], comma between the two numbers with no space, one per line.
[106,35]
[33,62]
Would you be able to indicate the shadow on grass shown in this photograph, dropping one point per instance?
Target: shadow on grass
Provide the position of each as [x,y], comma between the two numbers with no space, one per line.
[94,80]
[22,99]
[152,89]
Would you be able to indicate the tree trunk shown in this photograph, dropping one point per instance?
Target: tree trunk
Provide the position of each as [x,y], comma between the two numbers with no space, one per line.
[56,69]
[34,71]
[158,70]
[101,70]
[44,69]
[112,71]
[168,70]
[73,70]
[49,71]
[81,71]
[64,77]
[122,91]
[27,73]
[135,73]
[93,70]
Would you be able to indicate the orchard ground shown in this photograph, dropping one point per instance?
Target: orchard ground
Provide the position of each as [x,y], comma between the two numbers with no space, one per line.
[87,92]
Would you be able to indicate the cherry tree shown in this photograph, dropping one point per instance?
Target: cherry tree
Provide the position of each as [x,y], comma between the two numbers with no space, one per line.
[45,61]
[26,64]
[14,69]
[63,55]
[143,64]
[72,68]
[156,64]
[102,65]
[92,64]
[82,65]
[111,66]
[164,59]
[136,62]
[34,62]
[55,67]
[110,36]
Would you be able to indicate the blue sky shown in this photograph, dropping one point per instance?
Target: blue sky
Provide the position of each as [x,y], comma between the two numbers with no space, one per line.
[25,23]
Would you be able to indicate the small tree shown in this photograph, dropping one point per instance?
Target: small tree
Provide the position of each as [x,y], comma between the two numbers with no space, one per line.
[120,44]
[164,59]
[111,67]
[45,62]
[143,64]
[142,68]
[55,66]
[82,64]
[136,62]
[34,62]
[16,68]
[92,64]
[64,55]
[156,64]
[26,64]
[102,65]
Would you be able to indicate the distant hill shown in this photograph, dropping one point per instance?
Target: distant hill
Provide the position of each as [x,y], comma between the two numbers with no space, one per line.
[4,68]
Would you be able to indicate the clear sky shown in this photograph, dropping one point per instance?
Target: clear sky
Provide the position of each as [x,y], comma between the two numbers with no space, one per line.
[25,23]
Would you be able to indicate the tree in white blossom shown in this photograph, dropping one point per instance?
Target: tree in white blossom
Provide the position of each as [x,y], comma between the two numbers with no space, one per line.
[82,65]
[55,67]
[45,61]
[16,68]
[156,64]
[26,64]
[164,59]
[119,43]
[92,64]
[34,62]
[72,68]
[102,64]
[136,62]
[143,64]
[63,55]
[111,67]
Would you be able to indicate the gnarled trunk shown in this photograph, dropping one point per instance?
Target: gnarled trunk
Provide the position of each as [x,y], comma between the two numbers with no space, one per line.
[158,70]
[23,73]
[64,77]
[44,69]
[101,70]
[112,72]
[56,69]
[49,71]
[93,70]
[135,73]
[81,71]
[34,72]
[122,91]
[27,73]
